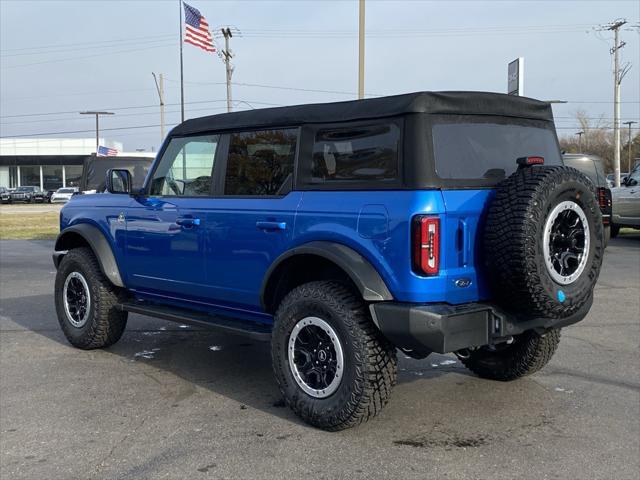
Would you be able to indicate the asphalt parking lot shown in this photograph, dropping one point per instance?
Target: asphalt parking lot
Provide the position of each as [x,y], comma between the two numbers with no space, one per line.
[170,401]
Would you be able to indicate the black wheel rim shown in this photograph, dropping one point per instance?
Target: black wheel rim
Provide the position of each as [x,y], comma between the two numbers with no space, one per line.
[77,300]
[315,357]
[566,242]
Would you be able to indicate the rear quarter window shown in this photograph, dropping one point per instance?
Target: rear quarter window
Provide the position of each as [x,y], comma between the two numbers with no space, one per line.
[352,154]
[486,150]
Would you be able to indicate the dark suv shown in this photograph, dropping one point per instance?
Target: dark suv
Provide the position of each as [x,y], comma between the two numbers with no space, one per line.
[426,222]
[593,168]
[27,194]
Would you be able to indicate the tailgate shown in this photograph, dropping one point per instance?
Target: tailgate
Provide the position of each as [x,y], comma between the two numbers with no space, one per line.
[462,261]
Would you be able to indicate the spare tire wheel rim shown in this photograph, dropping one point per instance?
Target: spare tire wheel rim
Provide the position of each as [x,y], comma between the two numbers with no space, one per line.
[566,242]
[77,300]
[315,357]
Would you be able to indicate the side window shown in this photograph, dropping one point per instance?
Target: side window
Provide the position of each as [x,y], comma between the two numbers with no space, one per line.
[260,162]
[186,167]
[360,153]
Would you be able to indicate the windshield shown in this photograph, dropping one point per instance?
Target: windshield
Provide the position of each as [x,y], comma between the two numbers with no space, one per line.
[26,189]
[66,190]
[483,150]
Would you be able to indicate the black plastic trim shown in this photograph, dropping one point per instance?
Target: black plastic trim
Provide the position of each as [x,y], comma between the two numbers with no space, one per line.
[366,278]
[420,329]
[192,317]
[98,243]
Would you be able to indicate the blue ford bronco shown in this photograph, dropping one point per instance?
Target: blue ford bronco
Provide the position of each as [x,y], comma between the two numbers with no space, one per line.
[343,232]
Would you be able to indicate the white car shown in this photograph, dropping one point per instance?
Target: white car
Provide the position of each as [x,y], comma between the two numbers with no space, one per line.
[63,195]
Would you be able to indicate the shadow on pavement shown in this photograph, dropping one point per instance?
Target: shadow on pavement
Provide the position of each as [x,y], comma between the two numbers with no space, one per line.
[229,365]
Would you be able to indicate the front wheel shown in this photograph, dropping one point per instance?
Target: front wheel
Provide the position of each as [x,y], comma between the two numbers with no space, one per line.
[333,367]
[86,302]
[527,354]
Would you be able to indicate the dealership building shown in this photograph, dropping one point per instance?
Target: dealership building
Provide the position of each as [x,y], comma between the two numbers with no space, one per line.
[49,163]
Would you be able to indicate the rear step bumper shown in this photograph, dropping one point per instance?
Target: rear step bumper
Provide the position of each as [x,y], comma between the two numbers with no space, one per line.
[230,325]
[420,329]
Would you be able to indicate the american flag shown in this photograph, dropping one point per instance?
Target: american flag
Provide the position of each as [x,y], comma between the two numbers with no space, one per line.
[107,152]
[197,29]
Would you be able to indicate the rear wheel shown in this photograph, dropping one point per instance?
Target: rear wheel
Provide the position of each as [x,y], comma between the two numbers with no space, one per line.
[527,354]
[87,303]
[333,367]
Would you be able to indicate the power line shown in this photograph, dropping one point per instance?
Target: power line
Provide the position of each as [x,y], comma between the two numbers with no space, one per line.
[75,49]
[59,60]
[131,127]
[97,42]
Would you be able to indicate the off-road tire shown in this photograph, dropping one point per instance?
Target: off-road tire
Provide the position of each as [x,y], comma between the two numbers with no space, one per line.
[106,322]
[370,363]
[528,353]
[513,242]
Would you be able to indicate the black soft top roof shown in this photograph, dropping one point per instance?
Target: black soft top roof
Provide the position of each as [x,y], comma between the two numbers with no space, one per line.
[456,103]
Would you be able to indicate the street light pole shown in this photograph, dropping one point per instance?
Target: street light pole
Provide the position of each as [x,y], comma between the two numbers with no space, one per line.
[97,114]
[629,123]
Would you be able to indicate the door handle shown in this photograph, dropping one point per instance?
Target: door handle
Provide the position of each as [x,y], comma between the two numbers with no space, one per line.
[465,242]
[188,222]
[271,225]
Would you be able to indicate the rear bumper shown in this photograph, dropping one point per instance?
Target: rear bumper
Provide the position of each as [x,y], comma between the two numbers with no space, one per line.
[442,328]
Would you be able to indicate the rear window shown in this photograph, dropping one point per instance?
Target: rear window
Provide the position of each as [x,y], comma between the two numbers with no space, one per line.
[486,150]
[355,153]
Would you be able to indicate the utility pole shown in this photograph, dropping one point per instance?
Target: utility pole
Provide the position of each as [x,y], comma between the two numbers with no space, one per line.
[629,123]
[361,50]
[227,56]
[618,74]
[97,114]
[160,87]
[579,134]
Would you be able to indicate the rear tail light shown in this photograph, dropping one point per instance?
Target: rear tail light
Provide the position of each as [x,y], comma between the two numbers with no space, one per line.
[604,201]
[426,245]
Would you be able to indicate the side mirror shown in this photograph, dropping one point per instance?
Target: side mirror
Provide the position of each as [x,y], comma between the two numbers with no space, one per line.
[631,182]
[118,181]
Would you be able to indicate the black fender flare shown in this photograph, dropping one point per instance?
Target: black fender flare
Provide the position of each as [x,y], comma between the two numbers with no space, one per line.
[365,277]
[98,243]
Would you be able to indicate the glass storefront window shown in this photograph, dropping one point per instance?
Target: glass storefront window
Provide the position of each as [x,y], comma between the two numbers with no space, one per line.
[73,175]
[13,177]
[30,175]
[52,176]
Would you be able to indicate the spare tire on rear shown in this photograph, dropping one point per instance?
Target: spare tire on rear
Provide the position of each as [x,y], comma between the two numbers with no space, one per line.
[543,242]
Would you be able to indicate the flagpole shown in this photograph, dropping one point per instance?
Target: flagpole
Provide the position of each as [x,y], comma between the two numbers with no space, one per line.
[181,63]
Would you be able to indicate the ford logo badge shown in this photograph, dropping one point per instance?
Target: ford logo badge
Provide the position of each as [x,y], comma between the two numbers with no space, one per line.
[463,282]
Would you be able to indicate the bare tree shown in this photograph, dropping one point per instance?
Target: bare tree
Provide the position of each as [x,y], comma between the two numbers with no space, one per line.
[597,138]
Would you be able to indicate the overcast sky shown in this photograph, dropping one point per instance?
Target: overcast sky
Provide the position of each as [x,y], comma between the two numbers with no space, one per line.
[67,56]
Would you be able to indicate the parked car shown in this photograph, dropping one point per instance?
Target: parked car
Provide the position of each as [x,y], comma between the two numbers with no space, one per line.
[27,194]
[63,195]
[626,203]
[611,179]
[4,195]
[593,167]
[427,222]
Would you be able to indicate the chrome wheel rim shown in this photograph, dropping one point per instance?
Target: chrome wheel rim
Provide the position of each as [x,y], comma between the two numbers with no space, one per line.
[315,357]
[566,242]
[77,300]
